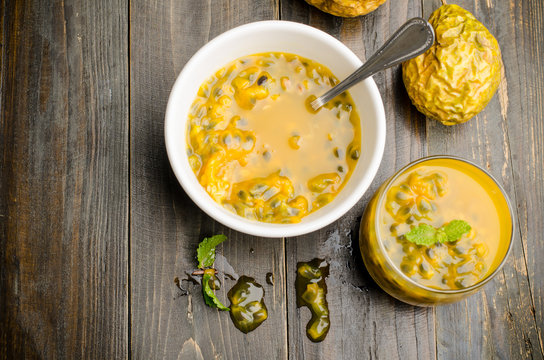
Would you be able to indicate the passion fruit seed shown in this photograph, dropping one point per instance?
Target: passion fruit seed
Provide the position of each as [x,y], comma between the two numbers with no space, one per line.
[247,309]
[311,292]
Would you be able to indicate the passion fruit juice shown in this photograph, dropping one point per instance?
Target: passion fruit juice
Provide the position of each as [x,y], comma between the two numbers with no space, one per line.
[258,148]
[434,192]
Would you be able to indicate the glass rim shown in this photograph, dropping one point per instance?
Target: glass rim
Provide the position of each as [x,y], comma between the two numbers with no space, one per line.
[478,284]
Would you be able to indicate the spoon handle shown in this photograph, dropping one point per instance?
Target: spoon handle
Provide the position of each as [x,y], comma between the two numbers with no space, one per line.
[412,39]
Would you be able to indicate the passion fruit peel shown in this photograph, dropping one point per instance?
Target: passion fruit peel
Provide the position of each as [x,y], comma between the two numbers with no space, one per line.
[457,77]
[346,8]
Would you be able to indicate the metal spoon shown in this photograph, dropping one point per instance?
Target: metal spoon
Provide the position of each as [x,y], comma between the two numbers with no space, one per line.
[412,39]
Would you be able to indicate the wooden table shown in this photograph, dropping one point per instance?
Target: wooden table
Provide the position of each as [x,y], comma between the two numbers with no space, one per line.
[94,227]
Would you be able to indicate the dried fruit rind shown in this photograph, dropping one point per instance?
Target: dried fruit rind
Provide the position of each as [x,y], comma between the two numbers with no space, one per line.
[457,77]
[346,8]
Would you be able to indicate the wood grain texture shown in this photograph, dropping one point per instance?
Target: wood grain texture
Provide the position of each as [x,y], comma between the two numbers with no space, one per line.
[166,226]
[64,180]
[500,320]
[365,321]
[520,30]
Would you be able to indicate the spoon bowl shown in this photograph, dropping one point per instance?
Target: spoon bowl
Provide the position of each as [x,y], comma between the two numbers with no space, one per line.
[412,39]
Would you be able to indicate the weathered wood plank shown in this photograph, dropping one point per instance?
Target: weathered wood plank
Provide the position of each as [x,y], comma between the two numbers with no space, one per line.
[64,180]
[521,101]
[500,321]
[366,322]
[166,226]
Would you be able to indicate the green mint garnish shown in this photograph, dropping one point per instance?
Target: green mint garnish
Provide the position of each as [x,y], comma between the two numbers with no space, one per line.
[455,229]
[206,250]
[209,296]
[206,257]
[422,234]
[427,235]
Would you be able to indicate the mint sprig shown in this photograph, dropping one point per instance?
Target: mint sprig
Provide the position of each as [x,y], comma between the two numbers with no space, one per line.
[455,229]
[427,235]
[206,250]
[209,296]
[206,257]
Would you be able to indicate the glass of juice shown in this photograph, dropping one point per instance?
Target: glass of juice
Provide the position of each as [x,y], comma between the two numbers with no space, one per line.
[436,231]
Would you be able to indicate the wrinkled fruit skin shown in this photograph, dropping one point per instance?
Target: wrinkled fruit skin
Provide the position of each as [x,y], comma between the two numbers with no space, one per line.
[456,78]
[346,8]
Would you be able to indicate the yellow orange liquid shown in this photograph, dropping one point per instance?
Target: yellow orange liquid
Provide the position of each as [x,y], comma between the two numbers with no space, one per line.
[436,192]
[259,150]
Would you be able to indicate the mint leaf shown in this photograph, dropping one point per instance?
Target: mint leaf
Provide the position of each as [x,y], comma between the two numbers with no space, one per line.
[209,296]
[441,235]
[455,229]
[206,257]
[427,235]
[423,234]
[206,250]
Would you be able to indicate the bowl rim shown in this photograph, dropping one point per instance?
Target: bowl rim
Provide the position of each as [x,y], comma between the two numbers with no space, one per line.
[254,227]
[390,262]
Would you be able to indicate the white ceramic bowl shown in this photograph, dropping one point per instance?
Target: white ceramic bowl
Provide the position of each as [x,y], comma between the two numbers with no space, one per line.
[280,36]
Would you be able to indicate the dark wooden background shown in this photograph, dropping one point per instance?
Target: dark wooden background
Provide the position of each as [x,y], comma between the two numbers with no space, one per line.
[94,228]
